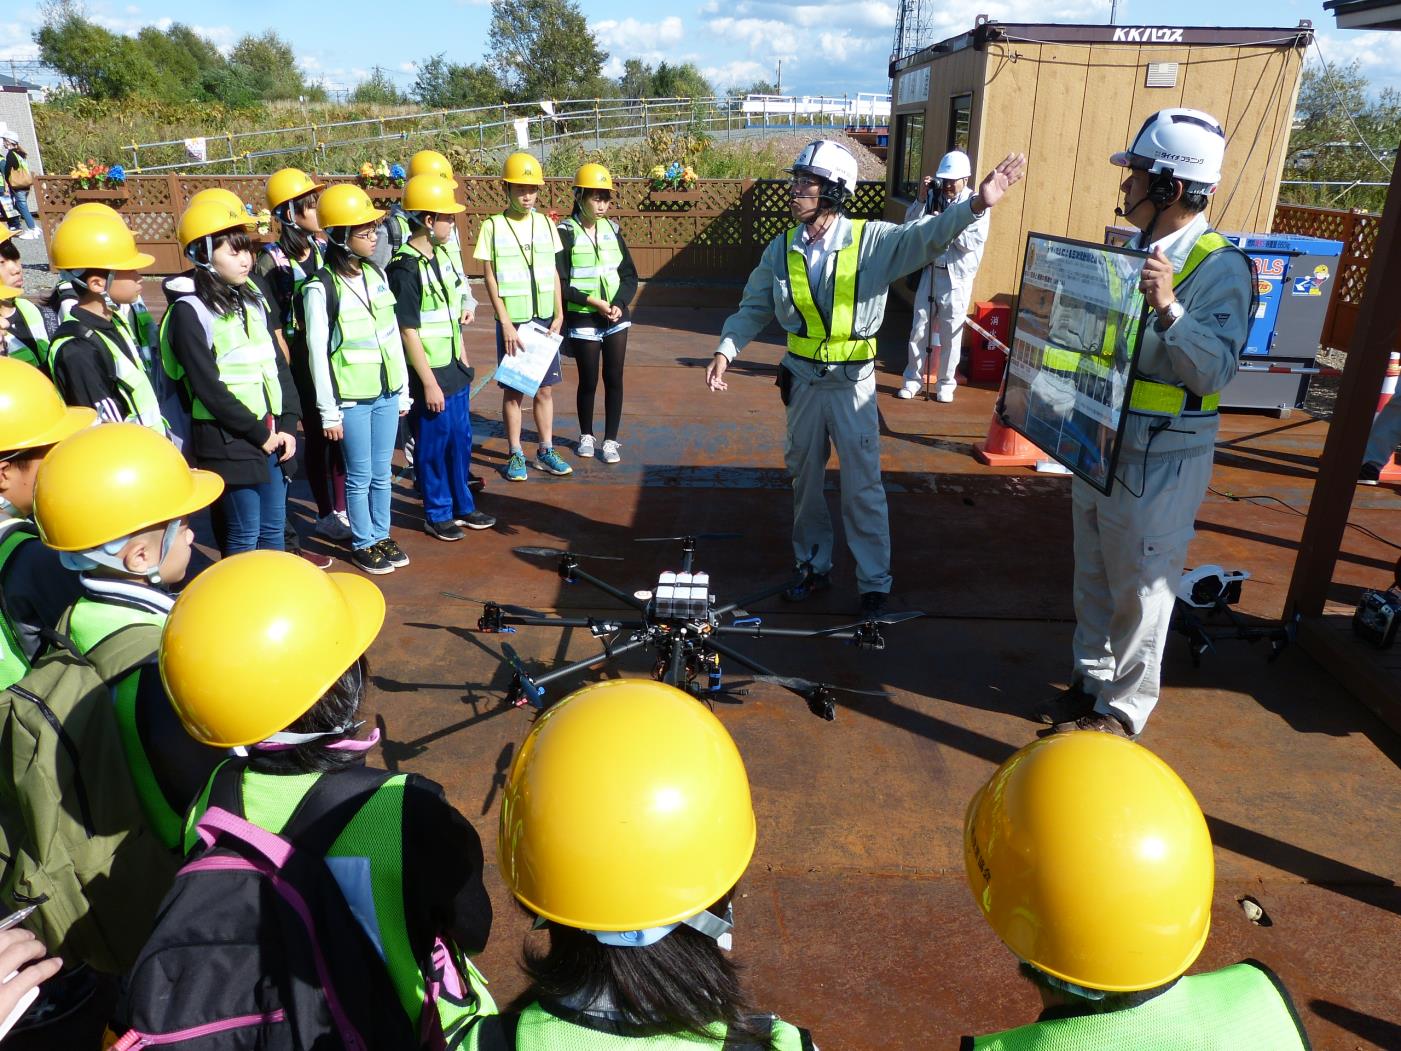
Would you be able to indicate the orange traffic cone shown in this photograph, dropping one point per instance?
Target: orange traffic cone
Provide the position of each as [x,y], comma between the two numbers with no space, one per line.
[1004,447]
[1391,470]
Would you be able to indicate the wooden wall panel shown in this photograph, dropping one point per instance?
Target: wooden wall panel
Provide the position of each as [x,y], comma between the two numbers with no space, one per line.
[1105,127]
[1261,90]
[1054,157]
[1008,107]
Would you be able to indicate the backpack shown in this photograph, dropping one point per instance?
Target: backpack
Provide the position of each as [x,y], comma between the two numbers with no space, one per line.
[73,837]
[255,946]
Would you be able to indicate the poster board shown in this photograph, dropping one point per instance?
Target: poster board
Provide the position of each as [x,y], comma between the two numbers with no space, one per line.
[1074,340]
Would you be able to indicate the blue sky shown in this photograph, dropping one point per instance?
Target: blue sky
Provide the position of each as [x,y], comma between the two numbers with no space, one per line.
[824,46]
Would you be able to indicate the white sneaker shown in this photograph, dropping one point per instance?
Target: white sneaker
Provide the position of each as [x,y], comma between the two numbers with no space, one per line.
[905,392]
[944,396]
[609,452]
[332,528]
[585,446]
[31,235]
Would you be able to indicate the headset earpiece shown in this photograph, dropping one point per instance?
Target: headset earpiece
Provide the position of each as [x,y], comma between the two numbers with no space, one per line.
[1162,190]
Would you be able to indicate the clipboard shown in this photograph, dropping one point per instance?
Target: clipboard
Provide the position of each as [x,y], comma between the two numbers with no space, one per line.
[525,370]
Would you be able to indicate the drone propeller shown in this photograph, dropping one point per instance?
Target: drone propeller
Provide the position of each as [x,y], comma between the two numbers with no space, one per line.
[516,611]
[691,536]
[884,618]
[808,686]
[556,552]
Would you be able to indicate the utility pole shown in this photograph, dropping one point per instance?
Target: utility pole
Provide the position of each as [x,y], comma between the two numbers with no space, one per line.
[778,83]
[1113,12]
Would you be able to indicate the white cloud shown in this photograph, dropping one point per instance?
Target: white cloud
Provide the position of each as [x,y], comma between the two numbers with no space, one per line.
[631,37]
[740,73]
[1378,54]
[308,63]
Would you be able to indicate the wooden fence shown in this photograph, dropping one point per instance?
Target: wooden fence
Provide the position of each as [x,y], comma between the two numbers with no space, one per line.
[1357,231]
[716,233]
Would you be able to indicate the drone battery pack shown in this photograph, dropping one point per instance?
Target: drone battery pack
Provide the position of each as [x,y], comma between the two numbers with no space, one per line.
[1377,617]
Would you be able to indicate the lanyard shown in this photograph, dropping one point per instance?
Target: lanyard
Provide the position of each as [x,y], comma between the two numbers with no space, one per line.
[529,259]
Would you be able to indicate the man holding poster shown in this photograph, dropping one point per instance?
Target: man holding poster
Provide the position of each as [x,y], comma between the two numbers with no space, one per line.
[1130,545]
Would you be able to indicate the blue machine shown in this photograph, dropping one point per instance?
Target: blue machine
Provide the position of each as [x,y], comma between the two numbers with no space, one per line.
[1295,277]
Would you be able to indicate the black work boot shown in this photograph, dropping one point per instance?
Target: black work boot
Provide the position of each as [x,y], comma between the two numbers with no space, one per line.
[1065,706]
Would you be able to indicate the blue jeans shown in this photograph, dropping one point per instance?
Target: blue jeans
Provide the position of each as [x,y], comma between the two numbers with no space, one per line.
[442,456]
[371,428]
[254,515]
[21,200]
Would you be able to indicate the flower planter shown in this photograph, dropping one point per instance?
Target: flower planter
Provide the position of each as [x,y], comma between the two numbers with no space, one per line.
[94,194]
[674,195]
[385,193]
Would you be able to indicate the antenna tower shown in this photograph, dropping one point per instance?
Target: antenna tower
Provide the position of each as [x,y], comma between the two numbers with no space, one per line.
[913,29]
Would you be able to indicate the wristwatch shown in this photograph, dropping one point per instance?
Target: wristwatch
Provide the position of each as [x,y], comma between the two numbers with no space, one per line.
[1167,317]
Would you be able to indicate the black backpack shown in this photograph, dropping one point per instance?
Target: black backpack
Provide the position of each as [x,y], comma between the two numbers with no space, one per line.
[255,946]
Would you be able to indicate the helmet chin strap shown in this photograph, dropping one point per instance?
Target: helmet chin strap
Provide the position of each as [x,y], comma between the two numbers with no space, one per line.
[717,928]
[108,556]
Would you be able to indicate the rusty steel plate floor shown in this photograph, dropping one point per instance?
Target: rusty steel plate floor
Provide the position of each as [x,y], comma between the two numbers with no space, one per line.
[854,918]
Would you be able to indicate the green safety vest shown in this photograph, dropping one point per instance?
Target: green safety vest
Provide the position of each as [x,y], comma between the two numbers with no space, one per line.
[244,354]
[593,263]
[38,354]
[89,622]
[816,342]
[132,379]
[374,834]
[526,285]
[1147,397]
[440,305]
[1237,1007]
[367,356]
[538,1029]
[14,663]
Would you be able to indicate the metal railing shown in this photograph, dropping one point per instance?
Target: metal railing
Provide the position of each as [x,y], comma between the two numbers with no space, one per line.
[521,125]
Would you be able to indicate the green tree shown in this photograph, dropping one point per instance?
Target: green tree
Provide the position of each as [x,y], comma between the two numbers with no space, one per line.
[93,61]
[1341,135]
[270,65]
[636,81]
[441,84]
[543,49]
[378,90]
[680,82]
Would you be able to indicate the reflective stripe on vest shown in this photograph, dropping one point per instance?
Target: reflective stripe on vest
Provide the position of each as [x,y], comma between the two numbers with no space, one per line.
[13,661]
[1236,1007]
[367,358]
[816,342]
[367,861]
[439,305]
[245,356]
[89,622]
[538,1029]
[37,352]
[526,286]
[132,380]
[593,263]
[1147,397]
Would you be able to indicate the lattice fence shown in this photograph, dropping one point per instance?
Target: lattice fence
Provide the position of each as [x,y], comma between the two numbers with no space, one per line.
[1357,231]
[718,232]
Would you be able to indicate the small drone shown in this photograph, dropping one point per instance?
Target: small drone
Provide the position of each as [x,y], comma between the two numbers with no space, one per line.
[678,621]
[1205,596]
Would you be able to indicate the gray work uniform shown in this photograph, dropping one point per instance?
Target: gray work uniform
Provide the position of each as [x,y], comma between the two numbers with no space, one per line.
[945,286]
[1130,546]
[835,404]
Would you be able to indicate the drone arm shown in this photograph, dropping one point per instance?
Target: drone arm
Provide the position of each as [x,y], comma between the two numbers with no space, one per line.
[609,589]
[758,631]
[565,670]
[746,662]
[563,622]
[759,596]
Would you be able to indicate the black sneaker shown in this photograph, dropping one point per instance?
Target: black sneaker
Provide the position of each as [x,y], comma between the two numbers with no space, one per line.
[443,530]
[1066,706]
[477,520]
[872,603]
[393,553]
[371,560]
[1370,474]
[807,587]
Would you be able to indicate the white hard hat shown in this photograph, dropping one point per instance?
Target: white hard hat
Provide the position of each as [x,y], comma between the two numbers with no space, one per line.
[1186,143]
[955,165]
[827,160]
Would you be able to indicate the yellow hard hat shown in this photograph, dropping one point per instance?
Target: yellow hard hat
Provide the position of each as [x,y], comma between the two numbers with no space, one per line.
[627,808]
[256,640]
[524,169]
[106,211]
[89,240]
[593,177]
[429,193]
[287,184]
[218,193]
[113,481]
[208,217]
[1091,860]
[431,162]
[345,204]
[32,414]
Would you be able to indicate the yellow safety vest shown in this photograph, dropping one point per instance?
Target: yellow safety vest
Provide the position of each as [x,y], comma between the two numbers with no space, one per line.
[817,342]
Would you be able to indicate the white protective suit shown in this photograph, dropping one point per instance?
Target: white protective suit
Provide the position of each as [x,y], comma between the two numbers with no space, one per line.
[951,276]
[1130,546]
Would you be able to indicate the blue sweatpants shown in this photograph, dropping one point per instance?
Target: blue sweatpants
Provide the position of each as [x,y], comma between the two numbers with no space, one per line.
[442,456]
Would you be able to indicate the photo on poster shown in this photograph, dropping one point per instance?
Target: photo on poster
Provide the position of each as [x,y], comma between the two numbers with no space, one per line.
[1075,336]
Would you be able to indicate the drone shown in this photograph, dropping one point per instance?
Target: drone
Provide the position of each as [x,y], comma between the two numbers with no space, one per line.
[679,622]
[1205,596]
